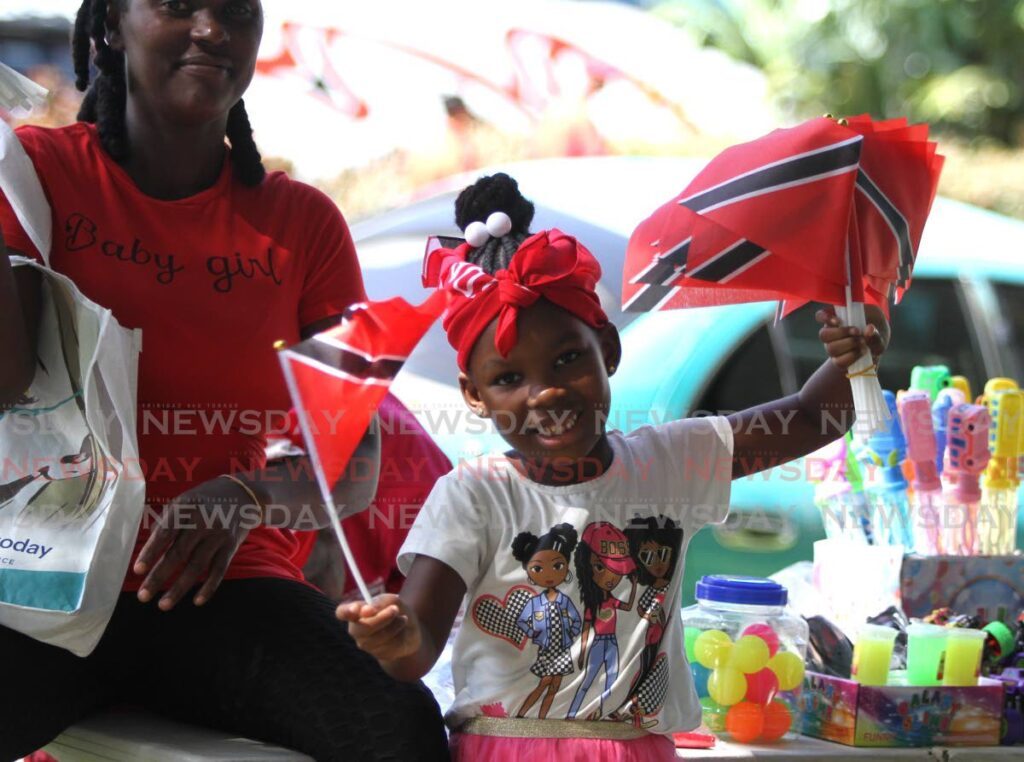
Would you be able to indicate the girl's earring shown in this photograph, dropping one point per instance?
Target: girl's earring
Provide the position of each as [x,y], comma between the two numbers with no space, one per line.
[612,369]
[568,578]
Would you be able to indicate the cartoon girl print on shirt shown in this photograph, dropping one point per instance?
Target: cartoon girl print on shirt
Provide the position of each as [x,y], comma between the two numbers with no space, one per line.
[602,560]
[549,619]
[654,543]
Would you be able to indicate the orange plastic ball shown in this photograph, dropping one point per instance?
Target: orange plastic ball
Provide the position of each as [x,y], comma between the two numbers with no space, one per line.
[777,721]
[745,722]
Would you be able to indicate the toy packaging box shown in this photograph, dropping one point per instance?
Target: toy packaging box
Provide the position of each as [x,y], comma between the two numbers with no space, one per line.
[846,712]
[991,587]
[859,581]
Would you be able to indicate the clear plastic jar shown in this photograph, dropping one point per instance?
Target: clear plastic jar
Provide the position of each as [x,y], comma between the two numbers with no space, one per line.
[746,653]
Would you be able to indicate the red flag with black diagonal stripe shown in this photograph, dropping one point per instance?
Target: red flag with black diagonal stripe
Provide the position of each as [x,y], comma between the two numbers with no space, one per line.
[772,219]
[338,378]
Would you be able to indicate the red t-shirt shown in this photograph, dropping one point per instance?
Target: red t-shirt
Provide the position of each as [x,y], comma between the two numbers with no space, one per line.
[213,281]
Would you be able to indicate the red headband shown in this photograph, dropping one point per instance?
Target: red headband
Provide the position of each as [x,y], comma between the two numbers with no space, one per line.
[548,264]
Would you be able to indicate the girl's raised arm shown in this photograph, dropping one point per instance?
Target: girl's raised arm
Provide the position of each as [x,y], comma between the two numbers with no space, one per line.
[822,411]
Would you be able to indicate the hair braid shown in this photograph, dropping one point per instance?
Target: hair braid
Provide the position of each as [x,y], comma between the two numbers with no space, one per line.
[105,101]
[245,157]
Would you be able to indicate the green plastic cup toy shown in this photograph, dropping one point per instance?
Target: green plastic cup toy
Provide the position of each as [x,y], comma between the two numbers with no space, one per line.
[925,646]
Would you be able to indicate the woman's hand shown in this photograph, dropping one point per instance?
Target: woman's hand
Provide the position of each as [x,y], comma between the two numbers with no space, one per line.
[845,344]
[198,535]
[388,629]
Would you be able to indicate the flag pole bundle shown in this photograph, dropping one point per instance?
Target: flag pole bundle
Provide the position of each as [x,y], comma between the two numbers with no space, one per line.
[337,380]
[827,211]
[19,92]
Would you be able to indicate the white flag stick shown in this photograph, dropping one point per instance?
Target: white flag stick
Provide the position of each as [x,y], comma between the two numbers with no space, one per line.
[868,402]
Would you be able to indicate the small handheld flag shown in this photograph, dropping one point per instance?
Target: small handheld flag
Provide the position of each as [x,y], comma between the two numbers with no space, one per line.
[337,380]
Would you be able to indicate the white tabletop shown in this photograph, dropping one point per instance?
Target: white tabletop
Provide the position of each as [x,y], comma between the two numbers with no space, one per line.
[812,748]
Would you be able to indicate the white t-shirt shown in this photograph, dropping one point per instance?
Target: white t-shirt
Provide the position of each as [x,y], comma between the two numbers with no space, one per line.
[516,634]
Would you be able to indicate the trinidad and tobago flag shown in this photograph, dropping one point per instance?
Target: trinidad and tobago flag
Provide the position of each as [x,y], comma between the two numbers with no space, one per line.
[338,378]
[799,215]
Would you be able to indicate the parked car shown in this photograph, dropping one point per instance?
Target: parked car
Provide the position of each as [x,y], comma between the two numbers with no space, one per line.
[965,309]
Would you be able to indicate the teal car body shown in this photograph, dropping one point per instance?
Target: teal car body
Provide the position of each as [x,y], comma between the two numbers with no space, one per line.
[965,309]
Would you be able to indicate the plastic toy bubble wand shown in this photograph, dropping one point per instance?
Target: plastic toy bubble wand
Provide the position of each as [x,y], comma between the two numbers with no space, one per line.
[857,497]
[943,401]
[886,450]
[968,455]
[916,417]
[997,516]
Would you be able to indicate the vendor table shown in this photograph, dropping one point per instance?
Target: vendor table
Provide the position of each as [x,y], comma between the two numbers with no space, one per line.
[824,751]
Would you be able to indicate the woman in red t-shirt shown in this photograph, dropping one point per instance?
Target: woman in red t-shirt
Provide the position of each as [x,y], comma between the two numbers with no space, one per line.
[156,218]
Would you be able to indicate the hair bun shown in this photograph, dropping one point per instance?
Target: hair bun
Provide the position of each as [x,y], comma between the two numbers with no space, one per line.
[494,193]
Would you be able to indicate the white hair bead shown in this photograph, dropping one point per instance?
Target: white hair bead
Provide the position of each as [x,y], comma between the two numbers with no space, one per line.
[477,234]
[499,224]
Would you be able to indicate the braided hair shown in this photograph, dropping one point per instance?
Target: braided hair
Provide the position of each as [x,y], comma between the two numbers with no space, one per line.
[106,98]
[495,193]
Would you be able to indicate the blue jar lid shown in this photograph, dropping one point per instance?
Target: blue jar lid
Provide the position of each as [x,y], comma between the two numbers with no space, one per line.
[751,591]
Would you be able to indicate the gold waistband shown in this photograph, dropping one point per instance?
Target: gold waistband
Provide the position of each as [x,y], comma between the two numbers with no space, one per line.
[522,727]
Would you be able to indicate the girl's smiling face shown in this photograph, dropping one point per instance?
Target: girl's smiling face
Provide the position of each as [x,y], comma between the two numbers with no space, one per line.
[549,398]
[547,568]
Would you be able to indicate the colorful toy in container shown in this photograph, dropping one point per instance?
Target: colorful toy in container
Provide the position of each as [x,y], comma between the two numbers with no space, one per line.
[940,421]
[916,417]
[967,456]
[884,453]
[997,520]
[749,651]
[931,379]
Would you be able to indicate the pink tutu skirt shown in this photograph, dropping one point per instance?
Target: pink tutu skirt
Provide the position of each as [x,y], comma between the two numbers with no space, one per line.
[477,748]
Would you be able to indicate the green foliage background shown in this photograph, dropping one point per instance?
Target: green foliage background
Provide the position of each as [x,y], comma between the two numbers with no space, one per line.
[956,64]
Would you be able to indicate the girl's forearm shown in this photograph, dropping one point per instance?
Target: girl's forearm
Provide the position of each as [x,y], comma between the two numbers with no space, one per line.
[411,668]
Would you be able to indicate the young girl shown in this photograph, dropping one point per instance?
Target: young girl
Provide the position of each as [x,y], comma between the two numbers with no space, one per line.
[535,351]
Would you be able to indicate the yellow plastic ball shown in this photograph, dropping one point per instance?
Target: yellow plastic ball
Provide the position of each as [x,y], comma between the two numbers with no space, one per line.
[712,649]
[789,668]
[727,686]
[749,654]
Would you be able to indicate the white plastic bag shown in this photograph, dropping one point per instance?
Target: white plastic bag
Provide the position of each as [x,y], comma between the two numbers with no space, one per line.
[71,489]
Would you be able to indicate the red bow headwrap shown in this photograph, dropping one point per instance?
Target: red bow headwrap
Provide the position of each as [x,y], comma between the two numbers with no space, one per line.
[548,264]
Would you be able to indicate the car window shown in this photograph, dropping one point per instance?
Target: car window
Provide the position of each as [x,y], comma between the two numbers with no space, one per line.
[1011,304]
[928,328]
[749,377]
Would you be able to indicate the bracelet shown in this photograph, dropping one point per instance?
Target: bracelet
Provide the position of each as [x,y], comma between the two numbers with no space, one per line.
[869,372]
[252,495]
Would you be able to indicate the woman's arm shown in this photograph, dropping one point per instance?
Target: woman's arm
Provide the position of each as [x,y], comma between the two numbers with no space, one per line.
[406,633]
[822,411]
[291,495]
[20,304]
